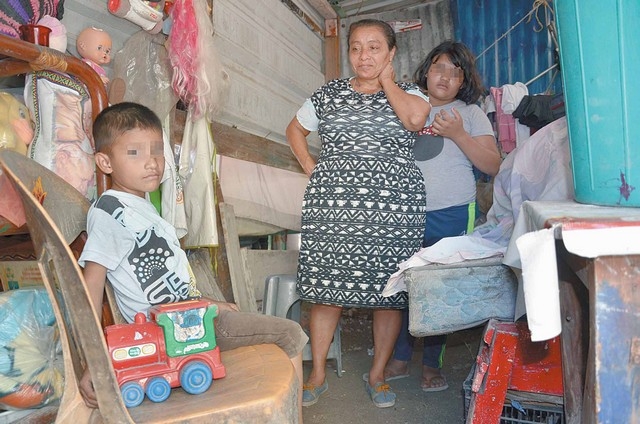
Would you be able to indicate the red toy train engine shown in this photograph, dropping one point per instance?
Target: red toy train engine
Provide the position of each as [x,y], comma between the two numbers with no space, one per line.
[175,348]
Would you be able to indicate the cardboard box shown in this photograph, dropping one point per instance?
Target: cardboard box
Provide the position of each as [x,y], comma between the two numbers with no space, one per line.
[19,274]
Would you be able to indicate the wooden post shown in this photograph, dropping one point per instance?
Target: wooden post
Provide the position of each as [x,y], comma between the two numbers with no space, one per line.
[243,294]
[331,50]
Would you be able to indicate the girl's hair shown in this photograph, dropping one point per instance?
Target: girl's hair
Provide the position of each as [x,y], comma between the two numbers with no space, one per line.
[117,119]
[460,55]
[386,29]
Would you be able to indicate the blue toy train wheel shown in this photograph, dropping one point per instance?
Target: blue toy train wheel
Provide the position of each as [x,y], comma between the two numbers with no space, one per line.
[132,394]
[196,377]
[158,389]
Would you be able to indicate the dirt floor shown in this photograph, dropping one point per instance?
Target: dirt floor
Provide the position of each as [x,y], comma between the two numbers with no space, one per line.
[346,401]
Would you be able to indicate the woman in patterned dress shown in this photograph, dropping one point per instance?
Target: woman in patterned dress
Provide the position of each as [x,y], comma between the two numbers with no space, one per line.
[364,207]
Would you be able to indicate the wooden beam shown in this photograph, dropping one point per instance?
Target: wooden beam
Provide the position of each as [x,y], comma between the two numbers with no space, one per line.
[323,8]
[308,20]
[234,143]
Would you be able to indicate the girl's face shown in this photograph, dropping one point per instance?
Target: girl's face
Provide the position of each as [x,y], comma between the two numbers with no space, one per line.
[369,52]
[444,80]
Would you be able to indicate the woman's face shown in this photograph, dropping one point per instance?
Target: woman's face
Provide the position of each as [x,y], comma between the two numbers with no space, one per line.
[369,52]
[444,80]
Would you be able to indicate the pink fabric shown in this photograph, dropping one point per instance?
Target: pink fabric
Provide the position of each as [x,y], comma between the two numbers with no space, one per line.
[14,13]
[506,123]
[99,69]
[10,204]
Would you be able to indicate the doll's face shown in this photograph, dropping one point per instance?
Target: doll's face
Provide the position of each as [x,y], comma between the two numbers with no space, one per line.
[95,45]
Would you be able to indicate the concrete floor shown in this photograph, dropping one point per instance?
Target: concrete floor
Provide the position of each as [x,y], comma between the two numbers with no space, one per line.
[346,401]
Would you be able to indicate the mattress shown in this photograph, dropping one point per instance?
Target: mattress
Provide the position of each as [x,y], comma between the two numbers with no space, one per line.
[447,298]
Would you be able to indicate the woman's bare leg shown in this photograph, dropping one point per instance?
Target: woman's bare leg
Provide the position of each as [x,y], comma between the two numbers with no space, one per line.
[386,326]
[324,320]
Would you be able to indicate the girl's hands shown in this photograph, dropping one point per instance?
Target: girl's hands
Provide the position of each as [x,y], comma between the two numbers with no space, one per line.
[448,124]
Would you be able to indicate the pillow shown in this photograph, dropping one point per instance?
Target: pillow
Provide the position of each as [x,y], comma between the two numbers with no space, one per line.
[62,142]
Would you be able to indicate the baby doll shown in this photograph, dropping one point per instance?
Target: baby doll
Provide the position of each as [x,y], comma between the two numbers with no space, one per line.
[16,126]
[94,46]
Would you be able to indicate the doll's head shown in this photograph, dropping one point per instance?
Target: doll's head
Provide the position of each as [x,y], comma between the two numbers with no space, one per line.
[95,45]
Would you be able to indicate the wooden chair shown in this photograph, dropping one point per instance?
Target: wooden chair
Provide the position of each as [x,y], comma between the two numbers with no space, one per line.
[260,385]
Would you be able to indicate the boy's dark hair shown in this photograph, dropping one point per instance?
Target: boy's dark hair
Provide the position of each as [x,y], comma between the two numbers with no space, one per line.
[460,55]
[117,119]
[388,32]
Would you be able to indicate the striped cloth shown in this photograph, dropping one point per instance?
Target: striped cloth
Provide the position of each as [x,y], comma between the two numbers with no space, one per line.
[14,13]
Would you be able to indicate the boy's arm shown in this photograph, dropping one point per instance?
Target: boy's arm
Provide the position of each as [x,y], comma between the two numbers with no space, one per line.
[95,275]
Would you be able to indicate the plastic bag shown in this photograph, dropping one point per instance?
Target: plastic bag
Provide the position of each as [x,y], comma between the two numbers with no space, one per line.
[30,374]
[143,66]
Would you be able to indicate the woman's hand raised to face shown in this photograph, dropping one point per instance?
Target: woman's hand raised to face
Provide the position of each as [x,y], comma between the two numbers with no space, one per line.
[387,74]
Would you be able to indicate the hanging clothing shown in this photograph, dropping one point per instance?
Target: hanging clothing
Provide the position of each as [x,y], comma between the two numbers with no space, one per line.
[172,202]
[506,99]
[540,110]
[196,171]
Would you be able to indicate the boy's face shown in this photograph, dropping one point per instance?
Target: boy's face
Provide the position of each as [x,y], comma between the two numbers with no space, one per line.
[135,162]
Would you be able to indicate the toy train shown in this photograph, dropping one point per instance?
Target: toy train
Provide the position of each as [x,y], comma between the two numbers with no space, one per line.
[176,347]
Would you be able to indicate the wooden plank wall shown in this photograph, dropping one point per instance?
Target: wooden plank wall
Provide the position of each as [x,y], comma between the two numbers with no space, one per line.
[274,61]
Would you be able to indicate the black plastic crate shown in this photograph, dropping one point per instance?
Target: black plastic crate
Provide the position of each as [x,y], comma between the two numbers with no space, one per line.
[520,407]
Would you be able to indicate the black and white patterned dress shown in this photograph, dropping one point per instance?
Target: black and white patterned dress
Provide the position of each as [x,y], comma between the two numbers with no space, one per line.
[364,207]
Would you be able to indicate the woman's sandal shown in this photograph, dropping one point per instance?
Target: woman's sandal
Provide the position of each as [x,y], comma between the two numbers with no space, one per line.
[381,395]
[430,387]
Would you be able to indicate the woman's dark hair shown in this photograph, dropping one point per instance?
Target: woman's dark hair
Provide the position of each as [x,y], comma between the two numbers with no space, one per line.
[386,29]
[460,55]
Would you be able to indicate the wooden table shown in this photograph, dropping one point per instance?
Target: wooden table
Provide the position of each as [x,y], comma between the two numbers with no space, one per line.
[598,259]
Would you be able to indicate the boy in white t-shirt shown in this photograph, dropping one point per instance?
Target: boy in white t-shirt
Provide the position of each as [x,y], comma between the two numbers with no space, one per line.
[132,245]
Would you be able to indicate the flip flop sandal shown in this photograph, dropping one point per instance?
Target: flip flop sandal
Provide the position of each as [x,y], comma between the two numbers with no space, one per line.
[430,387]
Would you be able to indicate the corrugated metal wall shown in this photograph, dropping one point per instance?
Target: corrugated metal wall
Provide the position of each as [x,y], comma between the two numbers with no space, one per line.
[414,45]
[523,49]
[274,61]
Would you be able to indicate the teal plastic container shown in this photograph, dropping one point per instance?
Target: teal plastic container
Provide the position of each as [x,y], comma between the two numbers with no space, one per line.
[600,60]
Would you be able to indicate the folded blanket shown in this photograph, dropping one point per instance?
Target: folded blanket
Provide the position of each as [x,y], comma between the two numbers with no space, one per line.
[14,13]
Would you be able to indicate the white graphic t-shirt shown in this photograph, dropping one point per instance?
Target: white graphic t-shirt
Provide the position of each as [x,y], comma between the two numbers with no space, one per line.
[145,263]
